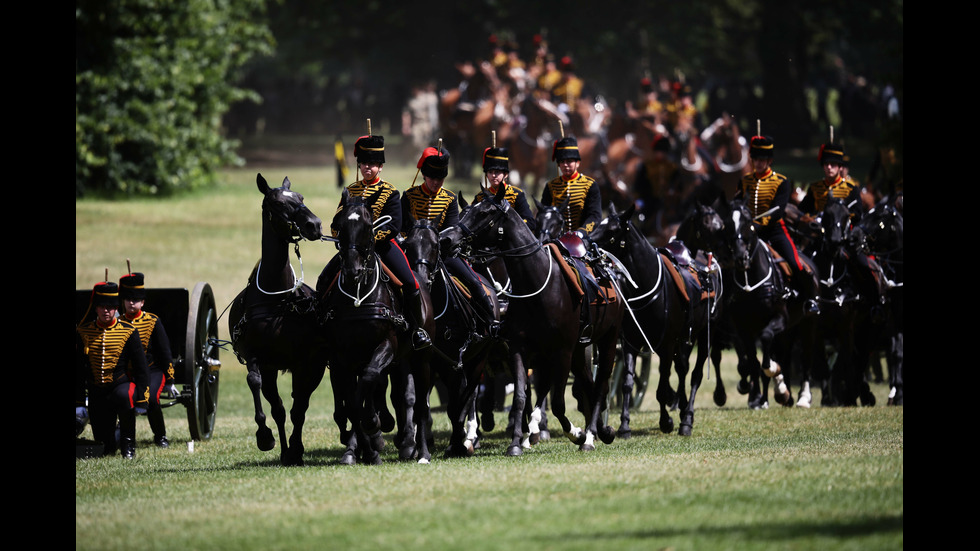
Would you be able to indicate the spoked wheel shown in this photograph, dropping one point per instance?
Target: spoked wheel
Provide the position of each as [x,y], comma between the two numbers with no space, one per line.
[640,381]
[202,363]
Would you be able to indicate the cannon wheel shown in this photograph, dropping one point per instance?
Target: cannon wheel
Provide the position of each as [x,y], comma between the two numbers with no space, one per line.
[640,382]
[201,362]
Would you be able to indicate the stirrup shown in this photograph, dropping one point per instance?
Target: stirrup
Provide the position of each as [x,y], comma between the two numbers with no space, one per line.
[421,340]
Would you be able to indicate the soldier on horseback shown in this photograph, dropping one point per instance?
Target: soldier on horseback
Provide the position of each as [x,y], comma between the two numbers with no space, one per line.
[766,194]
[583,211]
[496,167]
[431,201]
[386,206]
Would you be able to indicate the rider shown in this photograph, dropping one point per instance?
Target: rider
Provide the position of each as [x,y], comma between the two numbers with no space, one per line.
[496,168]
[156,345]
[657,179]
[766,194]
[833,185]
[431,201]
[585,202]
[369,151]
[584,209]
[111,366]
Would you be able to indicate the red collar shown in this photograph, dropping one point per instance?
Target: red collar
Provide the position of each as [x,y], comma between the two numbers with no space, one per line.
[764,176]
[573,176]
[100,326]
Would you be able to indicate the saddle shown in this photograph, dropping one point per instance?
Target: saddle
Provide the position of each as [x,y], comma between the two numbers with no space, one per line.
[684,269]
[577,280]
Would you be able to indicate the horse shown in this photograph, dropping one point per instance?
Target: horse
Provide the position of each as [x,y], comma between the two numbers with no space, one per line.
[460,354]
[669,309]
[701,231]
[368,337]
[884,229]
[763,308]
[272,321]
[542,326]
[549,219]
[851,306]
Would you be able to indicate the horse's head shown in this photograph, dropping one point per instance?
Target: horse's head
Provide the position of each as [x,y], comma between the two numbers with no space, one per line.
[741,235]
[702,229]
[885,229]
[550,220]
[835,224]
[422,249]
[355,237]
[284,211]
[612,233]
[483,224]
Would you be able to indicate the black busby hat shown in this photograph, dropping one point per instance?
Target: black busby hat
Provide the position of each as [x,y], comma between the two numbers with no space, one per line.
[434,163]
[370,149]
[105,293]
[131,287]
[831,152]
[565,148]
[495,158]
[761,147]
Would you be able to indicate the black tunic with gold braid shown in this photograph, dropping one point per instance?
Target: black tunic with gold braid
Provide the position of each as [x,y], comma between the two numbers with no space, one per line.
[760,194]
[517,199]
[110,356]
[819,192]
[584,205]
[441,208]
[386,203]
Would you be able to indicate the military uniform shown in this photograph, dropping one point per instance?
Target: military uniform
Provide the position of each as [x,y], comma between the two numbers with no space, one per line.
[495,158]
[156,345]
[584,209]
[764,192]
[820,191]
[111,369]
[384,201]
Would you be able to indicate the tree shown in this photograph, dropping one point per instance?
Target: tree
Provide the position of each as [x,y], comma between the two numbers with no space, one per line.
[153,79]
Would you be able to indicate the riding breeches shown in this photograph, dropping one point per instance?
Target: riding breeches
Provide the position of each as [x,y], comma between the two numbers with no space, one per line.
[778,237]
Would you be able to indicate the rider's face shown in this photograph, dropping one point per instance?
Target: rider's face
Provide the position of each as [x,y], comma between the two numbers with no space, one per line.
[369,171]
[568,167]
[831,170]
[495,178]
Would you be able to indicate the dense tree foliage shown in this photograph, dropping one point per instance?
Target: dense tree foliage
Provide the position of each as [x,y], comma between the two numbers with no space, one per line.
[153,79]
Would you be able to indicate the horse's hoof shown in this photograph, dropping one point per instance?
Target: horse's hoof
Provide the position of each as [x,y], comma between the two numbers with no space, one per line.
[868,399]
[544,435]
[386,420]
[348,458]
[534,438]
[720,397]
[487,421]
[624,434]
[407,453]
[586,448]
[264,439]
[515,451]
[424,461]
[684,430]
[743,387]
[667,425]
[607,434]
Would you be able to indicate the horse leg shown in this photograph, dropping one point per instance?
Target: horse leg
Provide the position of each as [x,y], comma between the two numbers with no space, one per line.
[720,396]
[403,396]
[368,426]
[769,367]
[896,392]
[264,438]
[606,361]
[687,411]
[665,394]
[423,415]
[517,407]
[305,381]
[626,390]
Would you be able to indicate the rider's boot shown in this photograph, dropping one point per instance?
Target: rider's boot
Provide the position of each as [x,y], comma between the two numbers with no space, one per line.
[413,309]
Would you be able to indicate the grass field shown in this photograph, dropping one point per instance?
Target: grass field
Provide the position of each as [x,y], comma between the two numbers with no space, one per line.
[825,478]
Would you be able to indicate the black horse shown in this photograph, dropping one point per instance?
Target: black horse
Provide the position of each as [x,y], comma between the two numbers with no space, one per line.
[765,310]
[460,352]
[884,229]
[550,220]
[669,309]
[368,336]
[852,300]
[273,323]
[542,324]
